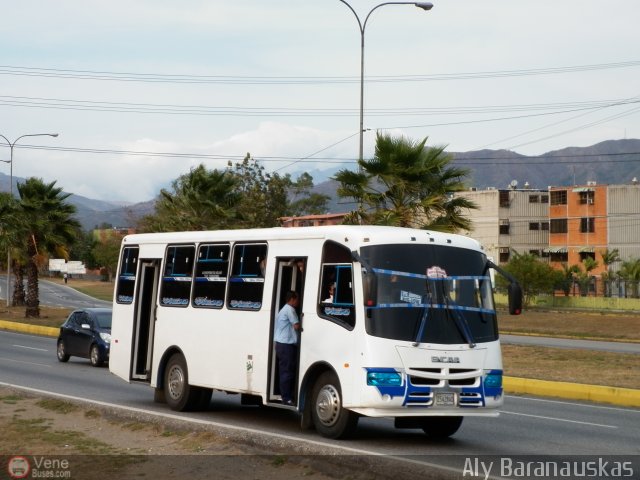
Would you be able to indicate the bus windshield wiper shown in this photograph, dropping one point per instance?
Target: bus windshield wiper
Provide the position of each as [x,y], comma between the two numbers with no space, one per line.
[423,319]
[458,318]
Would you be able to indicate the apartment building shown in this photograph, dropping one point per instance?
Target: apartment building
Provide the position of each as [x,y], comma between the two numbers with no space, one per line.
[578,224]
[510,220]
[563,224]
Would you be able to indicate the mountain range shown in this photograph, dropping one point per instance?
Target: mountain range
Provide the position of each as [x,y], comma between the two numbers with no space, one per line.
[608,162]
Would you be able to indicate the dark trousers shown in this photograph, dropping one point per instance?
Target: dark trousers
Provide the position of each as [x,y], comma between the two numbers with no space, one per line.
[287,356]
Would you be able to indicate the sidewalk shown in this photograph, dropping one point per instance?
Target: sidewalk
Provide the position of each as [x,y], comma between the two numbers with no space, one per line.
[624,397]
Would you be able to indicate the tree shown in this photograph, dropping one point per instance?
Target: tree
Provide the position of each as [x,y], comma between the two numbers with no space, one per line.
[200,200]
[12,234]
[303,201]
[566,278]
[609,257]
[50,229]
[264,196]
[106,254]
[535,277]
[630,273]
[407,184]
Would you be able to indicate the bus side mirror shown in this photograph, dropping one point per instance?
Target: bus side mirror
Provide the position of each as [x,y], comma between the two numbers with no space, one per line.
[370,289]
[515,299]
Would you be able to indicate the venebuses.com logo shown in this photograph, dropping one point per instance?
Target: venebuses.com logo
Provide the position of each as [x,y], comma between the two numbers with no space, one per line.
[18,467]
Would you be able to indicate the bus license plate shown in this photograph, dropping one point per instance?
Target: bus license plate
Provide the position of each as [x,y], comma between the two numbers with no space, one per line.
[445,399]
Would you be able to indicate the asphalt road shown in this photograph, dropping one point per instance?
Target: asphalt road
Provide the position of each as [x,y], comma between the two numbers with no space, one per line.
[527,425]
[55,295]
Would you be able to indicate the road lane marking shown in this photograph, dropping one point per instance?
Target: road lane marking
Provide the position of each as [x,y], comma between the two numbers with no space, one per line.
[31,348]
[28,363]
[574,404]
[559,419]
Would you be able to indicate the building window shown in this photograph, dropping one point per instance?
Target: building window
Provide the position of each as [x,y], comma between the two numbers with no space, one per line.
[535,253]
[504,227]
[559,197]
[559,256]
[504,198]
[534,226]
[534,198]
[585,255]
[544,226]
[544,198]
[586,198]
[504,254]
[587,225]
[558,225]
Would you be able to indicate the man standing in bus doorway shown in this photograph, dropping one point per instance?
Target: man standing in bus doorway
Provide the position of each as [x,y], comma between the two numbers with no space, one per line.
[286,338]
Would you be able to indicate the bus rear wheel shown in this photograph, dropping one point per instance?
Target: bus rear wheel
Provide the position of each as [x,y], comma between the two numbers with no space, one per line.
[179,395]
[329,417]
[441,427]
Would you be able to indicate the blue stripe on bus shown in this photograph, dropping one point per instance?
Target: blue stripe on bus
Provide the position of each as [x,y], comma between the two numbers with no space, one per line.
[429,305]
[425,277]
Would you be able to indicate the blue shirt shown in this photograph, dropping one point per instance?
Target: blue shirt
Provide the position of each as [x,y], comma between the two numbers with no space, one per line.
[284,331]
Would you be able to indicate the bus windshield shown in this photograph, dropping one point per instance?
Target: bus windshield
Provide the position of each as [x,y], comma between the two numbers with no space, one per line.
[430,294]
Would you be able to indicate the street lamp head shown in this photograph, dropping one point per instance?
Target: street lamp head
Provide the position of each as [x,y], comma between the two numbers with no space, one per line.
[424,5]
[53,135]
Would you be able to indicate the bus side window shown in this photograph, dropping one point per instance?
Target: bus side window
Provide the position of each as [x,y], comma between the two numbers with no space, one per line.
[210,282]
[337,272]
[176,279]
[127,275]
[246,283]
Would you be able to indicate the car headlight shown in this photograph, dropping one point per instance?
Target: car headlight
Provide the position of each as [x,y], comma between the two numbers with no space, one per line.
[106,337]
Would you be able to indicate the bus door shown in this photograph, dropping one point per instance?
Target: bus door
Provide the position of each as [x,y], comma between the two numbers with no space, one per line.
[290,274]
[144,321]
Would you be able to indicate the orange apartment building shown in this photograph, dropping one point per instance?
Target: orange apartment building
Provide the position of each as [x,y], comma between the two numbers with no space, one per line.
[578,225]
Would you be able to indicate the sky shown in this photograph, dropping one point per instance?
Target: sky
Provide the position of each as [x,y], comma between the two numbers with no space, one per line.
[141,91]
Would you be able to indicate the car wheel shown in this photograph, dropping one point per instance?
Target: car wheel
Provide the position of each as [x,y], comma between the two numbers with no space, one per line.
[61,352]
[441,427]
[94,356]
[181,396]
[329,418]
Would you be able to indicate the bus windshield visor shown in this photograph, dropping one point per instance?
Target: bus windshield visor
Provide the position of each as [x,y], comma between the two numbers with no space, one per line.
[430,294]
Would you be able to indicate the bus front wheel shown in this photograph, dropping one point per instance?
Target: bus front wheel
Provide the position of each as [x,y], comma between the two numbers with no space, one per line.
[179,395]
[441,427]
[329,417]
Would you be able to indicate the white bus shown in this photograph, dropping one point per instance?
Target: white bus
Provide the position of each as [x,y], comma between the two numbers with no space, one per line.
[411,332]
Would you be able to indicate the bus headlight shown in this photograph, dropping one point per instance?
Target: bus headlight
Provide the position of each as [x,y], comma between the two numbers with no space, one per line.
[384,379]
[493,380]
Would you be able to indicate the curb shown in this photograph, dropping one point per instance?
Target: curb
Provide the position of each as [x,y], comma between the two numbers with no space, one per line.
[625,397]
[32,329]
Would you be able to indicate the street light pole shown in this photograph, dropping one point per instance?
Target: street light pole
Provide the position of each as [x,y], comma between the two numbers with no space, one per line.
[11,145]
[363,25]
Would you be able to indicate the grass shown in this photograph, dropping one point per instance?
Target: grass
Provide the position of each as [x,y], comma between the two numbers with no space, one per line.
[609,326]
[55,405]
[571,365]
[99,290]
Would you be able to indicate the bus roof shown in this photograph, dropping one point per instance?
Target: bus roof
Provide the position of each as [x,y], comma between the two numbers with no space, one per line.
[354,236]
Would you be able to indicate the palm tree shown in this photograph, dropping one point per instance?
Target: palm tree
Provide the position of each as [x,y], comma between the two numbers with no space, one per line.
[201,200]
[50,229]
[407,184]
[609,257]
[12,230]
[630,273]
